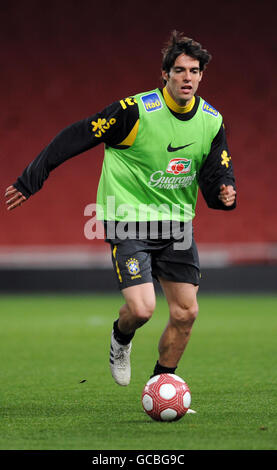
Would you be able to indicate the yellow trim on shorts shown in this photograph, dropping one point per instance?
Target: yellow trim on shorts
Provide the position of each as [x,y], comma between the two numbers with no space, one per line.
[116,264]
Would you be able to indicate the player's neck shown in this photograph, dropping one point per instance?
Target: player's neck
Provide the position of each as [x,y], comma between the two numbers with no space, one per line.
[176,107]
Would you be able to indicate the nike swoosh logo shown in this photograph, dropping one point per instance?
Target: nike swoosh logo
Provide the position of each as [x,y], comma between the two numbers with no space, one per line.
[174,149]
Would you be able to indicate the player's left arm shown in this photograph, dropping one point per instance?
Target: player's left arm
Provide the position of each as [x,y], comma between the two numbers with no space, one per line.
[216,177]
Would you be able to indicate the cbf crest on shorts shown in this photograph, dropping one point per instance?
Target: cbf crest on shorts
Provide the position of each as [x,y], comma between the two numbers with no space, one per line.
[133,266]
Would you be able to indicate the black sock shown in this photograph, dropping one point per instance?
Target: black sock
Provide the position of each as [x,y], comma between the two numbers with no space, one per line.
[163,370]
[121,337]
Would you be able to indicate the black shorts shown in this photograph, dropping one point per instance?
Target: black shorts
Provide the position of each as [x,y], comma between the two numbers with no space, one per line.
[139,261]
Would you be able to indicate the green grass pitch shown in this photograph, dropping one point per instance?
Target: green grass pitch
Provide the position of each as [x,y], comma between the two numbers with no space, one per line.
[57,391]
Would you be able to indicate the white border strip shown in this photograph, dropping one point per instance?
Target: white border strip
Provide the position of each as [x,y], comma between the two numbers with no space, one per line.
[82,257]
[61,257]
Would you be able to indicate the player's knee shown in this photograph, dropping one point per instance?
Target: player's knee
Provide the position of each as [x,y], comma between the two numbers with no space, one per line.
[142,311]
[183,315]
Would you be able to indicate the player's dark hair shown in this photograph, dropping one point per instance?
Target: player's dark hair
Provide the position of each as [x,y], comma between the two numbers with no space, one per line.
[180,44]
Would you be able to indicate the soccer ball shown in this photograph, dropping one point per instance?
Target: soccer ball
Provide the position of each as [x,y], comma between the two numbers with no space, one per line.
[166,397]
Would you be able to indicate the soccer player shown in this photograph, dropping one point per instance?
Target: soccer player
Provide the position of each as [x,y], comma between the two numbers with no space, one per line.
[160,147]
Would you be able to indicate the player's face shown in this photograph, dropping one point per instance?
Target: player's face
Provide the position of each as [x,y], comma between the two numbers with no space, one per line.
[183,79]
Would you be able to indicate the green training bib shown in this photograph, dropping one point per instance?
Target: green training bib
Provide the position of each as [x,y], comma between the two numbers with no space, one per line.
[157,177]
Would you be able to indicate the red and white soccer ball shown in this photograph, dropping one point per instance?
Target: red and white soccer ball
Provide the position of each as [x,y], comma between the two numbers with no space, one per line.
[166,397]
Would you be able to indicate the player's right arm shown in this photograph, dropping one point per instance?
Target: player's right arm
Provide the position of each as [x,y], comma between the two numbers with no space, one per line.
[110,126]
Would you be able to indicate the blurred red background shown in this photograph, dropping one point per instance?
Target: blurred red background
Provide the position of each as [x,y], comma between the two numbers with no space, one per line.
[65,60]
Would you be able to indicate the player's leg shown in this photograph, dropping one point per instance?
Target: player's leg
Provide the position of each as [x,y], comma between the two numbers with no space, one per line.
[179,275]
[183,310]
[138,309]
[133,269]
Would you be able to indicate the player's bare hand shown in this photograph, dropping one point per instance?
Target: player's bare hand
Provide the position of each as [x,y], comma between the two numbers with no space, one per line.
[14,198]
[227,195]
